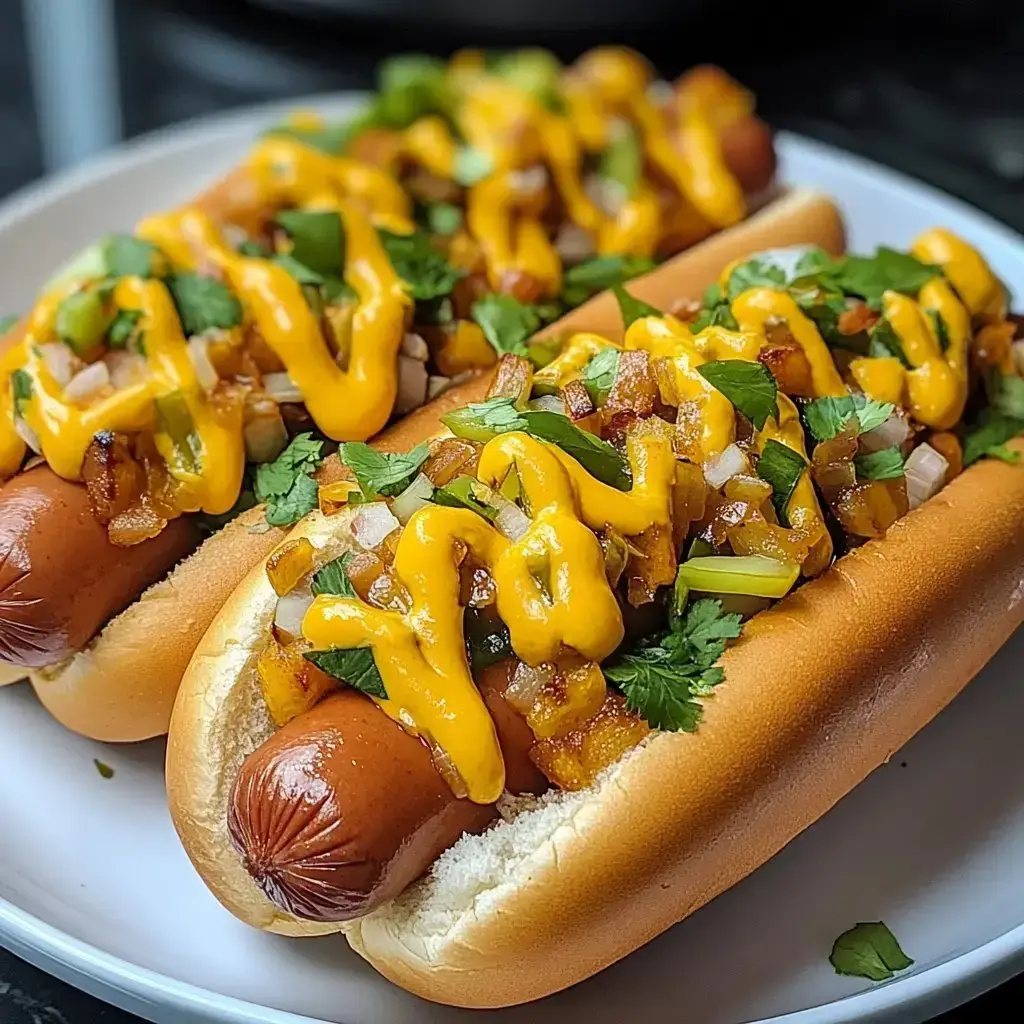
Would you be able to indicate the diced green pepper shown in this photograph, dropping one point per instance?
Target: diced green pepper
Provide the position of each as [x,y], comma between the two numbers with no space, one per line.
[755,575]
[82,321]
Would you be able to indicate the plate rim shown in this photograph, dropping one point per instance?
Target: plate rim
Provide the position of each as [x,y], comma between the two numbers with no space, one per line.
[133,987]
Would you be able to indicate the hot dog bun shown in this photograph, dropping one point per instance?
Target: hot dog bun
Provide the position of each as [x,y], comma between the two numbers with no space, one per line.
[583,879]
[121,688]
[577,881]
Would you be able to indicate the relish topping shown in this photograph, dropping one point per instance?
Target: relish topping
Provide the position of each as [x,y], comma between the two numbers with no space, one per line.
[609,520]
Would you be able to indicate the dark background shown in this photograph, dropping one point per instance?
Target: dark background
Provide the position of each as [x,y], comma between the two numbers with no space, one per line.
[934,88]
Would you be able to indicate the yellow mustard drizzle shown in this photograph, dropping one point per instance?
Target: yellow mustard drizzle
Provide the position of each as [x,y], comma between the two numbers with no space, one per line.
[979,289]
[668,338]
[552,592]
[65,429]
[804,511]
[756,306]
[285,172]
[935,387]
[570,361]
[346,404]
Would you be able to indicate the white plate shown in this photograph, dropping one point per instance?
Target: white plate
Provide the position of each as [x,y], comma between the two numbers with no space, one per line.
[94,887]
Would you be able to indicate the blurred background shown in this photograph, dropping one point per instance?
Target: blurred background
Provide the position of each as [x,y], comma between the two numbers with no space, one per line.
[932,87]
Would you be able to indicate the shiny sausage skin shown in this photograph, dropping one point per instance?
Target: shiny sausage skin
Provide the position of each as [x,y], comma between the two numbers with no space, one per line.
[61,579]
[341,809]
[748,149]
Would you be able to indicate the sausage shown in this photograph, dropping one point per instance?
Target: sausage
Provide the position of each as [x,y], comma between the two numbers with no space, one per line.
[341,809]
[749,152]
[61,579]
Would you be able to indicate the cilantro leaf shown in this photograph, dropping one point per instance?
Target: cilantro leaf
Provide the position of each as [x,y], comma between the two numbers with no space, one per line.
[487,638]
[597,457]
[354,666]
[333,578]
[506,322]
[21,387]
[410,86]
[591,276]
[888,270]
[827,417]
[203,303]
[781,467]
[426,273]
[443,218]
[814,261]
[128,256]
[754,273]
[382,473]
[989,434]
[633,309]
[622,160]
[318,239]
[598,376]
[286,485]
[471,165]
[1006,394]
[868,950]
[480,421]
[886,464]
[123,326]
[466,492]
[663,682]
[7,322]
[884,341]
[715,311]
[254,249]
[748,385]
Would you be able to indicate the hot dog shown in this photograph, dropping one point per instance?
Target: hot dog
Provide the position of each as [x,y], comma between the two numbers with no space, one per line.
[724,562]
[300,295]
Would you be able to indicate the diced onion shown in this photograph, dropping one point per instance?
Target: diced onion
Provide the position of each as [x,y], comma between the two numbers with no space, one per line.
[413,498]
[721,468]
[126,368]
[60,361]
[925,470]
[574,244]
[511,521]
[608,195]
[446,769]
[437,386]
[87,382]
[785,258]
[281,388]
[373,524]
[234,235]
[291,609]
[415,347]
[28,435]
[265,438]
[892,433]
[533,179]
[412,384]
[548,403]
[526,685]
[199,350]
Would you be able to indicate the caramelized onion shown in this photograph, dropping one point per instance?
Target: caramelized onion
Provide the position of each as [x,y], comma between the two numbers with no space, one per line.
[526,685]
